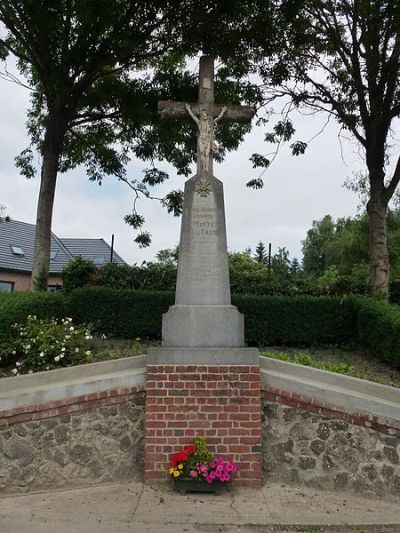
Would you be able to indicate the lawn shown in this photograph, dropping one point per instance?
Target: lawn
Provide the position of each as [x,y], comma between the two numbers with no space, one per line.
[350,363]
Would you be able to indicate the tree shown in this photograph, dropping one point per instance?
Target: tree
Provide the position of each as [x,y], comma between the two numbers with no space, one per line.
[343,57]
[168,256]
[79,58]
[315,246]
[260,254]
[96,69]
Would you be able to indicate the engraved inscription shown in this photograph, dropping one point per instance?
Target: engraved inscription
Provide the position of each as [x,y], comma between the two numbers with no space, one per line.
[206,83]
[204,232]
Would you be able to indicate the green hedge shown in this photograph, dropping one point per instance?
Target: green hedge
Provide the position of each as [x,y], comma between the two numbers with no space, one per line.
[16,306]
[120,312]
[378,328]
[301,320]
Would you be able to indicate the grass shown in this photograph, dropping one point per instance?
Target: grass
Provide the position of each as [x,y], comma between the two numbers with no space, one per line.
[338,361]
[350,363]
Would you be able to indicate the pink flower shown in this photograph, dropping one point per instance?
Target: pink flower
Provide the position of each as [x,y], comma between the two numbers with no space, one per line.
[212,475]
[213,464]
[193,473]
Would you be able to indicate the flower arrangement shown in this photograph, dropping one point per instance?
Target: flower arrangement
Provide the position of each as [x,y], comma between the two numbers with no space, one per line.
[196,463]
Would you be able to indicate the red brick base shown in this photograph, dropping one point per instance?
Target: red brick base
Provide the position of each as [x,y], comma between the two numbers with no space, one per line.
[220,403]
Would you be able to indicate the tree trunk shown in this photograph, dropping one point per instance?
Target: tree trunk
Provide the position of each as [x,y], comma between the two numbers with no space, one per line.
[54,136]
[379,266]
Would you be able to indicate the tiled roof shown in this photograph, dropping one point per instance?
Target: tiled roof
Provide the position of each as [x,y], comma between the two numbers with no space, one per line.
[92,249]
[22,235]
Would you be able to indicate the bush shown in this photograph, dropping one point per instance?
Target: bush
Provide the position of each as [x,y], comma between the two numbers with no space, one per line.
[279,320]
[378,328]
[41,344]
[300,320]
[16,306]
[78,273]
[121,313]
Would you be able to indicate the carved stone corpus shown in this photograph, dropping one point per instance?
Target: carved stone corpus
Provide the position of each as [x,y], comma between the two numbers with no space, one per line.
[205,114]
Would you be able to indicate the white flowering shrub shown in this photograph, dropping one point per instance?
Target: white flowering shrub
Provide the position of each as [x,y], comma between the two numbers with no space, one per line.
[41,344]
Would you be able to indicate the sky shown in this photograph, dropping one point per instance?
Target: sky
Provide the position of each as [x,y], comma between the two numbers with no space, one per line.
[297,190]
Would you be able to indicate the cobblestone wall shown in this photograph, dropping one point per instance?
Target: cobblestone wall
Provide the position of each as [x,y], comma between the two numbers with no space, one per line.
[100,444]
[106,443]
[328,453]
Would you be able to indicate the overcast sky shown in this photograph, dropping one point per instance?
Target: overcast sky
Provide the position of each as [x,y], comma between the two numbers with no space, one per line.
[297,190]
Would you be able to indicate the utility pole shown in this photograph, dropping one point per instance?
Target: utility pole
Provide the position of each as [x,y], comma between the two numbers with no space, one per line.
[112,248]
[269,258]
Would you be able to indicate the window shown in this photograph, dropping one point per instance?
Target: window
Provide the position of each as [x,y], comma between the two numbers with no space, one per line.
[98,260]
[6,286]
[16,250]
[53,254]
[53,288]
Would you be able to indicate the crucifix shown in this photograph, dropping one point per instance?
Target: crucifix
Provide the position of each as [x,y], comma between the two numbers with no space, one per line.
[205,114]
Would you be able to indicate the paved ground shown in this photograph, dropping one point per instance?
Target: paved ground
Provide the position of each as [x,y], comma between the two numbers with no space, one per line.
[133,507]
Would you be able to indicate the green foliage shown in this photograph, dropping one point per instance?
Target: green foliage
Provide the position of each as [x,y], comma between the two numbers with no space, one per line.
[270,320]
[261,255]
[300,320]
[114,276]
[78,273]
[168,256]
[202,453]
[41,344]
[121,313]
[304,359]
[16,306]
[336,254]
[378,328]
[249,275]
[40,282]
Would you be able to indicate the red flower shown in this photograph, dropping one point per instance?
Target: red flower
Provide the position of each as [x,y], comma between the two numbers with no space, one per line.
[178,457]
[191,448]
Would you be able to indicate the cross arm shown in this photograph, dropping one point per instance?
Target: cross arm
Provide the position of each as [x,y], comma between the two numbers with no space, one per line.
[233,113]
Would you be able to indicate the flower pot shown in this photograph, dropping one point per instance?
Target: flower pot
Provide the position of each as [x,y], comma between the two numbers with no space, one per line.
[190,485]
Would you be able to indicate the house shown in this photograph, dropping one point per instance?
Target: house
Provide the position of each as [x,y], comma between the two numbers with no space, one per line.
[17,241]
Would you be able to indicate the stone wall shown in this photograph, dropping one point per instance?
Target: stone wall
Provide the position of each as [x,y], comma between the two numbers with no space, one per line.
[308,448]
[98,436]
[91,445]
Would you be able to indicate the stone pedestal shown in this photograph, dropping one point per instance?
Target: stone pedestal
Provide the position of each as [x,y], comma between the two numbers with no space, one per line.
[203,315]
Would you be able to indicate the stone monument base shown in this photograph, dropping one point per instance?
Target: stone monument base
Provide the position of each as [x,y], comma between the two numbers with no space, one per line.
[194,326]
[220,402]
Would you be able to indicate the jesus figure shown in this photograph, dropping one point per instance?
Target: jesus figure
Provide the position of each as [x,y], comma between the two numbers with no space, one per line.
[205,139]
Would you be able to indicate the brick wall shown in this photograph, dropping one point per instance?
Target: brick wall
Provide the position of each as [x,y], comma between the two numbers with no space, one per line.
[221,403]
[313,405]
[22,282]
[29,413]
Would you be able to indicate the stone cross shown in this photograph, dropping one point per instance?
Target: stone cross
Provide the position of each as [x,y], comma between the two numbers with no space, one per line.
[205,113]
[203,316]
